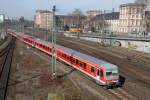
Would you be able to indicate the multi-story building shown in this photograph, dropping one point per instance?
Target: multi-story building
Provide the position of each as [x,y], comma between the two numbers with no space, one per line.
[44,19]
[132,17]
[92,13]
[106,22]
[2,17]
[112,20]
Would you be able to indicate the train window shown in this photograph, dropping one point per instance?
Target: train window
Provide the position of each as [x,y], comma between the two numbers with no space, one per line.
[84,65]
[101,73]
[68,57]
[81,64]
[77,61]
[98,73]
[92,69]
[64,55]
[73,60]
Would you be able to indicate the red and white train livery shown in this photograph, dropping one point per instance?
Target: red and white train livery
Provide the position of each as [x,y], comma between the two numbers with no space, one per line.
[104,73]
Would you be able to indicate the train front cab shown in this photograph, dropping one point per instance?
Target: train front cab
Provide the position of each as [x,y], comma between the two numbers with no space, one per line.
[107,76]
[111,75]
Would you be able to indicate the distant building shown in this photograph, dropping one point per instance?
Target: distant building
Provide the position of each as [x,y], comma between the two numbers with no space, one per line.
[132,17]
[2,17]
[93,13]
[61,21]
[107,22]
[43,19]
[112,20]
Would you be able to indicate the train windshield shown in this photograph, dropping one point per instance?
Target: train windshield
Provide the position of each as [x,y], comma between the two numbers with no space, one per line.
[112,74]
[108,73]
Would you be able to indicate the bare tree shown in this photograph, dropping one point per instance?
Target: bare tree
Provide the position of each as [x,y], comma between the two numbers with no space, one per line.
[77,18]
[147,21]
[101,24]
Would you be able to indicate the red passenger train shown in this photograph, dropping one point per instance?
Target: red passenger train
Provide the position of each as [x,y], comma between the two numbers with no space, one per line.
[104,73]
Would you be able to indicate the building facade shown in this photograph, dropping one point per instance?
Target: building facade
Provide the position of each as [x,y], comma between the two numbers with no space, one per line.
[132,17]
[108,22]
[43,19]
[93,13]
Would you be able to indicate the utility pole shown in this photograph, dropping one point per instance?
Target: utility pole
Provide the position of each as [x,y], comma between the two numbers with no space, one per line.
[53,46]
[103,25]
[45,31]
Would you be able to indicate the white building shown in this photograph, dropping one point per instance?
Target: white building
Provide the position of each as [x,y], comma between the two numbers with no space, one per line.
[107,22]
[92,13]
[132,17]
[43,19]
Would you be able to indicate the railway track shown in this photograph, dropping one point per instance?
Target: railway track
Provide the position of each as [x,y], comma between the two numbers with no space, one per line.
[124,52]
[3,41]
[100,49]
[95,50]
[77,79]
[6,54]
[135,74]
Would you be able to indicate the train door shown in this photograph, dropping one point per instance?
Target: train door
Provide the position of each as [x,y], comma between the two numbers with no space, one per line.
[98,74]
[101,74]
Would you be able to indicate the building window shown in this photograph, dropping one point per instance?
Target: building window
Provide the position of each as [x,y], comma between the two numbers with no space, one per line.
[132,22]
[132,16]
[136,22]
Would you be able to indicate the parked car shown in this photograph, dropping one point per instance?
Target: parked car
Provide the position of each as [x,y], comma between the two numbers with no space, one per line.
[144,34]
[133,34]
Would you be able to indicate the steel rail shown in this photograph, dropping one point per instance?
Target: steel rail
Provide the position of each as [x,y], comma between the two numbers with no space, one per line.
[4,77]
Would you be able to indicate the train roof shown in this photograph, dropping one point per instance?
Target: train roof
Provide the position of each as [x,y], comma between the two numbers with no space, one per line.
[44,42]
[103,63]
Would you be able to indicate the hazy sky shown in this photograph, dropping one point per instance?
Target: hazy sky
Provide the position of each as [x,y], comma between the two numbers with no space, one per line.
[27,8]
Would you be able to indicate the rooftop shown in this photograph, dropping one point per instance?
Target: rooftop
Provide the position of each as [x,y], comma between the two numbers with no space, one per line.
[43,11]
[107,16]
[132,4]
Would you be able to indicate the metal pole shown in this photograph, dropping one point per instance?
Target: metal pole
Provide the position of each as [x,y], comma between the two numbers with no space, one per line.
[0,28]
[53,46]
[45,27]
